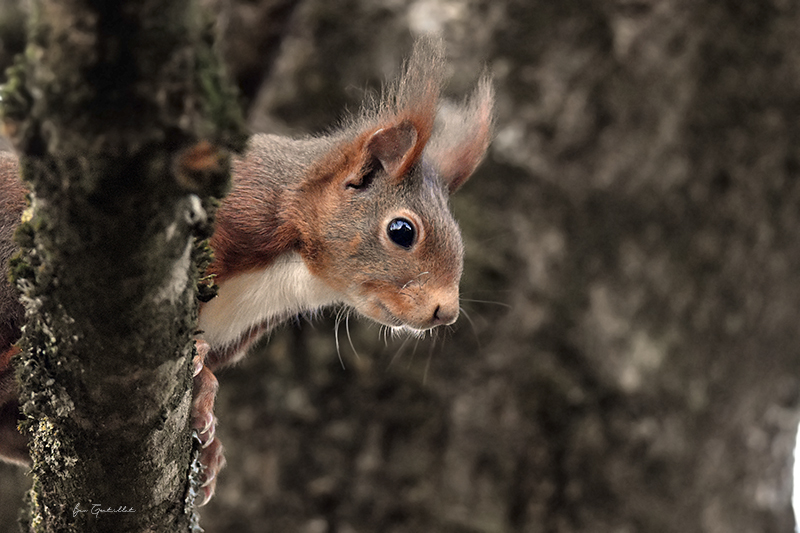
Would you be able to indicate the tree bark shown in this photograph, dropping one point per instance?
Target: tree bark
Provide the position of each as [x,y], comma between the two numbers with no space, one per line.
[104,109]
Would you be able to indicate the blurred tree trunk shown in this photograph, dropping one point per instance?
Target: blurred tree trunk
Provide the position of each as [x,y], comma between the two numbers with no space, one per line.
[640,217]
[105,98]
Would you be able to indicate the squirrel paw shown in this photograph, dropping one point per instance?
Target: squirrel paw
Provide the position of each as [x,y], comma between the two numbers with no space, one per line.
[204,422]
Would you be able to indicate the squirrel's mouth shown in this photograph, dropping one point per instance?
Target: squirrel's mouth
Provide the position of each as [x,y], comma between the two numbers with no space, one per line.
[387,318]
[413,313]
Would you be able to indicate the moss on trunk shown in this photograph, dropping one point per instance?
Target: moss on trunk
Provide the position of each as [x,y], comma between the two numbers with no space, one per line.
[108,100]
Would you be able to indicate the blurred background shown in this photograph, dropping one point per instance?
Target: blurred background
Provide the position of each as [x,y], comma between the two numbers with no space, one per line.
[629,352]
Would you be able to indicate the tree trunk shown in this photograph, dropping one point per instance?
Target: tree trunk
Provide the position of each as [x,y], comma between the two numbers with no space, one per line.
[104,110]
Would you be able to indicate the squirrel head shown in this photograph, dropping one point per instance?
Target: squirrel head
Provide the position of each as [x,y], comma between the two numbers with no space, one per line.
[376,224]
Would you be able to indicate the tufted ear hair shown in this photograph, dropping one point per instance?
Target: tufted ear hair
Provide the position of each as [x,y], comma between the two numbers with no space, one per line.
[397,129]
[407,109]
[463,134]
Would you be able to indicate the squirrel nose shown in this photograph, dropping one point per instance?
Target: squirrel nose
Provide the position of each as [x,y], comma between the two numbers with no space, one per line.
[444,314]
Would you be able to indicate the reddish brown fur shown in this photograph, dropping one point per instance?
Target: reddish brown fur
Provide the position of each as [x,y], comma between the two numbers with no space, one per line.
[217,358]
[198,164]
[415,97]
[253,226]
[270,213]
[460,144]
[313,196]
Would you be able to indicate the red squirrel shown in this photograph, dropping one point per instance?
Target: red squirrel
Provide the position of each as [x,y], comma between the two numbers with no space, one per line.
[358,217]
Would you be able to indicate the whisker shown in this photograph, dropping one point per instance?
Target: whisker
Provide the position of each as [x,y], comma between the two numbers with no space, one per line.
[336,336]
[428,362]
[413,353]
[472,326]
[408,295]
[493,291]
[403,345]
[349,338]
[409,282]
[501,304]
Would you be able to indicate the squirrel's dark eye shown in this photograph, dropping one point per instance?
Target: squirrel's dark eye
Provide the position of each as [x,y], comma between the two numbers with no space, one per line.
[401,232]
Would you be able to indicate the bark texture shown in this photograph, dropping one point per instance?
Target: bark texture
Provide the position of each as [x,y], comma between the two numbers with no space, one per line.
[105,99]
[637,224]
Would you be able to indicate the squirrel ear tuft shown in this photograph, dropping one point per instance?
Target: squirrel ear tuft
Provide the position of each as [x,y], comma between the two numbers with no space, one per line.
[406,113]
[393,145]
[463,135]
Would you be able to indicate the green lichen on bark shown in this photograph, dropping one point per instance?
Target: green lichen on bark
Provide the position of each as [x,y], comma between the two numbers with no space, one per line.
[105,100]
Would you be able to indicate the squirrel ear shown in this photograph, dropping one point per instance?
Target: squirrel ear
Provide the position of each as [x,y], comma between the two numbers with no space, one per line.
[393,145]
[463,135]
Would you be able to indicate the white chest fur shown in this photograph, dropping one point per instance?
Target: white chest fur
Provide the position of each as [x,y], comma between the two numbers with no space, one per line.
[270,295]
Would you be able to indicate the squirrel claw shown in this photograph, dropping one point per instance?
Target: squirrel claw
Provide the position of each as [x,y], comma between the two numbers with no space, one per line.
[206,436]
[212,478]
[212,458]
[207,493]
[204,422]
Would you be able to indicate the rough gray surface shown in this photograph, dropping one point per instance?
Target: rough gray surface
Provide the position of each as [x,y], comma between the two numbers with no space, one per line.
[100,109]
[637,225]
